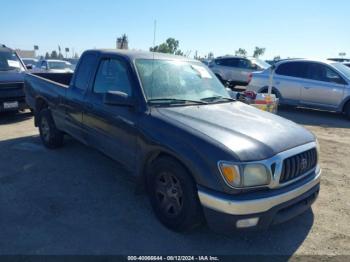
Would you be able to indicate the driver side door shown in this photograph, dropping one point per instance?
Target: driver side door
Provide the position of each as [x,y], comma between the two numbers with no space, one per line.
[112,128]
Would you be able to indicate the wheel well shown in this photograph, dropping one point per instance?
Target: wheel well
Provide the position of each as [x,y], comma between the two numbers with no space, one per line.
[152,158]
[40,104]
[346,104]
[274,91]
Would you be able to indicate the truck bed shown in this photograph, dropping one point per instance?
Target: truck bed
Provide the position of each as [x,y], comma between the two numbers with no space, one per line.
[50,86]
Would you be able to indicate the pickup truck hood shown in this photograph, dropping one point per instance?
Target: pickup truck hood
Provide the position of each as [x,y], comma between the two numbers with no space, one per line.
[11,76]
[251,134]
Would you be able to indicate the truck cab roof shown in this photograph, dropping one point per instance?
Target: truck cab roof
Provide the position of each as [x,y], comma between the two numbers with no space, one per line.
[132,54]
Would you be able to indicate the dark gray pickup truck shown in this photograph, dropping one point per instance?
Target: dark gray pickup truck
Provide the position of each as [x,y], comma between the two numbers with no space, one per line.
[201,155]
[12,72]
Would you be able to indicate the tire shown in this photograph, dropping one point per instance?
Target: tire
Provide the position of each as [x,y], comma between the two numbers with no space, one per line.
[264,91]
[173,195]
[347,110]
[50,136]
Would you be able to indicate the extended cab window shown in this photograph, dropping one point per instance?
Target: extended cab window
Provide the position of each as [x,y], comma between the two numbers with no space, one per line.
[112,75]
[84,71]
[293,69]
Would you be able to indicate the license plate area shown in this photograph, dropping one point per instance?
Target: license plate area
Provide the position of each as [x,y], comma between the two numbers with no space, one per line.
[11,105]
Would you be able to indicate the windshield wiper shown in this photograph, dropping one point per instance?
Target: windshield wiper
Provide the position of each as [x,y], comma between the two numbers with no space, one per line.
[217,99]
[175,101]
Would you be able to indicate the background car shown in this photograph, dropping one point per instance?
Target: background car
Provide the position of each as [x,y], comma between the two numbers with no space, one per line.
[12,71]
[54,66]
[301,82]
[30,63]
[338,59]
[235,70]
[347,64]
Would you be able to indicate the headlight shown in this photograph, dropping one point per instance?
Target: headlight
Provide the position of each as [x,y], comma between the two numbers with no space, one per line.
[248,175]
[255,175]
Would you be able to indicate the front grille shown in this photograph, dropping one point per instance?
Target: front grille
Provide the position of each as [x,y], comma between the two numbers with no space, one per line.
[11,85]
[11,91]
[298,165]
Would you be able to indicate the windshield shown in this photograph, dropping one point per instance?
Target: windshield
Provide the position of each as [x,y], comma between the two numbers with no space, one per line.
[10,61]
[179,80]
[343,69]
[58,65]
[260,63]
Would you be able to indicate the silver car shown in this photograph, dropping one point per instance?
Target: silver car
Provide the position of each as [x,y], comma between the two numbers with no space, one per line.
[54,66]
[235,70]
[316,84]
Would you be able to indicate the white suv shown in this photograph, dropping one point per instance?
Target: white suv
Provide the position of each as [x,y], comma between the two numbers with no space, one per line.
[235,70]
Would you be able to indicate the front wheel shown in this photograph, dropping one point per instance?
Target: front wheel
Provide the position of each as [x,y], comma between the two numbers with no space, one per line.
[173,195]
[49,134]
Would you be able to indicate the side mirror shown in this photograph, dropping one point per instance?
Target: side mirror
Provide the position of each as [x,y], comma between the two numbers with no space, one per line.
[43,67]
[117,98]
[29,67]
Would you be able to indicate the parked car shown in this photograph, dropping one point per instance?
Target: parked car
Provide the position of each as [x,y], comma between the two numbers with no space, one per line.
[12,72]
[308,83]
[341,60]
[234,70]
[54,66]
[170,122]
[347,64]
[30,63]
[73,62]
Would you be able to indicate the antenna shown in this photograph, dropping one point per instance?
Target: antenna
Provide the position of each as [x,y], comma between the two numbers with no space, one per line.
[154,33]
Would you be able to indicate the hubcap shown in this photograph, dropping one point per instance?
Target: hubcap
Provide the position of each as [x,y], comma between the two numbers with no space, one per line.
[45,129]
[169,194]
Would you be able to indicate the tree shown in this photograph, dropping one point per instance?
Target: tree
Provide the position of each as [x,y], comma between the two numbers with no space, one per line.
[276,58]
[342,54]
[241,52]
[259,51]
[211,55]
[47,55]
[170,46]
[54,54]
[60,56]
[123,42]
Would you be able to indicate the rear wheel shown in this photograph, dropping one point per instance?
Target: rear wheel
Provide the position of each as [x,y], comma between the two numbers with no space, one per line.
[49,134]
[173,195]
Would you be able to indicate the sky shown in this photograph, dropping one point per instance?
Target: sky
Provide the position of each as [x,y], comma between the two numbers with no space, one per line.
[308,28]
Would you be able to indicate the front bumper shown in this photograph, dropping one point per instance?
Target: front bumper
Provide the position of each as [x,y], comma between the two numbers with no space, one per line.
[223,211]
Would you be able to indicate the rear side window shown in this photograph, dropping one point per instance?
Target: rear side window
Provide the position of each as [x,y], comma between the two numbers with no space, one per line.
[320,72]
[245,64]
[293,69]
[232,62]
[84,71]
[112,75]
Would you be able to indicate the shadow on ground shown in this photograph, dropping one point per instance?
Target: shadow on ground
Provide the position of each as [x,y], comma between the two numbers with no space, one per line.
[14,117]
[311,117]
[76,201]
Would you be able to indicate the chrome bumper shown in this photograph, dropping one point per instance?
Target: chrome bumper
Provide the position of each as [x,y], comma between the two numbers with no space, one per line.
[246,207]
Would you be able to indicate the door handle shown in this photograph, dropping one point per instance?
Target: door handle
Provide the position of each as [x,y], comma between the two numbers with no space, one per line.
[307,87]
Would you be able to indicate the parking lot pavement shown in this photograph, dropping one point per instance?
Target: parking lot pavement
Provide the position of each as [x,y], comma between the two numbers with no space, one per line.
[77,201]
